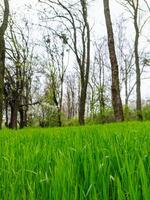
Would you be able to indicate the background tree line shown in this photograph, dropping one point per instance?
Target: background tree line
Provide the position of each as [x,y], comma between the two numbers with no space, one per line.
[55,72]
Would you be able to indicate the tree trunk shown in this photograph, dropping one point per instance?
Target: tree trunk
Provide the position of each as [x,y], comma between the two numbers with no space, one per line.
[115,89]
[2,66]
[85,64]
[2,56]
[6,114]
[126,85]
[82,102]
[59,118]
[13,119]
[138,73]
[23,118]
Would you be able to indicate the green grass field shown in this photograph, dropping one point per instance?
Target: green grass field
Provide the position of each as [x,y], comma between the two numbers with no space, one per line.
[92,162]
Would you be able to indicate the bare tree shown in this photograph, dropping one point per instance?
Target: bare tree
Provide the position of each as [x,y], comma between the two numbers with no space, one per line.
[3,28]
[99,79]
[56,69]
[18,74]
[116,99]
[133,8]
[74,18]
[125,53]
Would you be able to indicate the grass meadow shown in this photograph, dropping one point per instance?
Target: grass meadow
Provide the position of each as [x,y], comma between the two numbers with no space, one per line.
[99,162]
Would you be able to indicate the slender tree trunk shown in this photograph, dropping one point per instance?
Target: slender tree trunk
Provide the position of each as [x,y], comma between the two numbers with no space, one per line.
[2,66]
[126,86]
[85,66]
[102,101]
[138,73]
[115,89]
[92,103]
[82,106]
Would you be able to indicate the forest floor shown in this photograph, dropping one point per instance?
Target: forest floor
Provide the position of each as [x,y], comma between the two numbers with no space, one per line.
[76,163]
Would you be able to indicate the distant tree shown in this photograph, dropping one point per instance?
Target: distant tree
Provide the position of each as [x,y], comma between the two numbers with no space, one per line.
[125,54]
[55,71]
[3,28]
[133,8]
[116,99]
[99,79]
[73,17]
[18,74]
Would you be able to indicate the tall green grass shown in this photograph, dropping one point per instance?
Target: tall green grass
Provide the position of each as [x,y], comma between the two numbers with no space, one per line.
[77,163]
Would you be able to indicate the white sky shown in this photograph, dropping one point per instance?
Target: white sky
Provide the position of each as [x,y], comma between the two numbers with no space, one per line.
[97,19]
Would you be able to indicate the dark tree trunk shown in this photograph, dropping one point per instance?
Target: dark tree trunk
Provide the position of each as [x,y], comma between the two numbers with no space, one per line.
[82,106]
[59,119]
[102,103]
[2,67]
[2,56]
[85,64]
[138,73]
[6,110]
[13,119]
[23,118]
[115,89]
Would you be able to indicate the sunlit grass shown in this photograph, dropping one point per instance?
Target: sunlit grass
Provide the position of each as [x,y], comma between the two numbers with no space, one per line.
[91,162]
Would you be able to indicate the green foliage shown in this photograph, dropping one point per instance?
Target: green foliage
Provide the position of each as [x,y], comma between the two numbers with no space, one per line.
[106,117]
[71,122]
[129,114]
[51,117]
[146,112]
[76,163]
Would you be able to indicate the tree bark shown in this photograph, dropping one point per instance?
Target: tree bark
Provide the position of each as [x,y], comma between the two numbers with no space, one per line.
[82,106]
[115,89]
[2,56]
[59,117]
[2,65]
[126,85]
[138,73]
[6,113]
[13,119]
[23,118]
[85,64]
